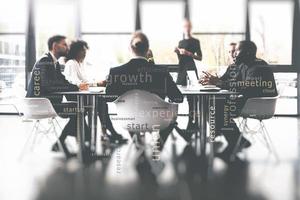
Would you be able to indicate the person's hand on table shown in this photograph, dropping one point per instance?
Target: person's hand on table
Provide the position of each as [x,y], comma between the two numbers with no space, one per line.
[209,79]
[182,51]
[83,86]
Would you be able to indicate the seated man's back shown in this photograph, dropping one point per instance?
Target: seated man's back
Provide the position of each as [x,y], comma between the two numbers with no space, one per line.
[260,82]
[139,74]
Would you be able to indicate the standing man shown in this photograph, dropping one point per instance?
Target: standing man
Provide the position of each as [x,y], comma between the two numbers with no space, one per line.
[47,78]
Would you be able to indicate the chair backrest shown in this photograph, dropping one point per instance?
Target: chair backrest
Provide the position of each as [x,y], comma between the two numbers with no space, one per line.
[259,108]
[142,111]
[37,108]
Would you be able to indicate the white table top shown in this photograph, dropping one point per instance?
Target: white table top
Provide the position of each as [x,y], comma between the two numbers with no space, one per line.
[183,89]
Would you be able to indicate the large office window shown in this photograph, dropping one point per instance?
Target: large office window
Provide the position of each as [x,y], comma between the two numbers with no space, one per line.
[107,29]
[218,15]
[105,51]
[215,49]
[12,51]
[287,88]
[13,16]
[107,16]
[53,17]
[271,24]
[216,24]
[163,23]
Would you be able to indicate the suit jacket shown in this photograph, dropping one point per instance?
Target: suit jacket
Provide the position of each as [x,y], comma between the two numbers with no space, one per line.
[140,74]
[253,79]
[47,78]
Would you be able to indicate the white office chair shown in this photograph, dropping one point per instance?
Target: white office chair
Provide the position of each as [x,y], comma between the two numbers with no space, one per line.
[260,108]
[38,109]
[140,111]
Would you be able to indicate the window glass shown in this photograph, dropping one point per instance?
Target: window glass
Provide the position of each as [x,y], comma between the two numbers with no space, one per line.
[164,28]
[287,88]
[12,70]
[218,15]
[13,16]
[271,29]
[108,16]
[49,24]
[215,51]
[106,51]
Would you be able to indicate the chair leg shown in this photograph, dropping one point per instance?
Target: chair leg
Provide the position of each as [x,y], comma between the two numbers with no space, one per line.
[35,136]
[261,137]
[269,142]
[56,135]
[134,141]
[241,123]
[58,124]
[45,131]
[32,133]
[237,146]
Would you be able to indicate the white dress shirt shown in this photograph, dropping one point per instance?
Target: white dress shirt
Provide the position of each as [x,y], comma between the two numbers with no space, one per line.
[53,57]
[75,72]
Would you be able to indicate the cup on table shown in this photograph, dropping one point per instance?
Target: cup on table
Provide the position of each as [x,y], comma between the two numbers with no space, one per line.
[188,82]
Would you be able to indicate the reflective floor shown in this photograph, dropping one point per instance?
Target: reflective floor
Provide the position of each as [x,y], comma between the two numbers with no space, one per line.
[126,172]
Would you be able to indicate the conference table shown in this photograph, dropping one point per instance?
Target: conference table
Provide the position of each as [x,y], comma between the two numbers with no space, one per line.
[203,98]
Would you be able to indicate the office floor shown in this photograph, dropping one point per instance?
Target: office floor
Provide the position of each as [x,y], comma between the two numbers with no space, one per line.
[128,173]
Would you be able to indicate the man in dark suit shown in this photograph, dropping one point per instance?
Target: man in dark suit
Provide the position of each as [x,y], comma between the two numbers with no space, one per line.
[250,77]
[47,78]
[138,73]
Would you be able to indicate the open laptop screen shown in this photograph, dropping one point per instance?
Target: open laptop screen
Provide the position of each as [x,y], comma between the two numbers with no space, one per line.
[192,76]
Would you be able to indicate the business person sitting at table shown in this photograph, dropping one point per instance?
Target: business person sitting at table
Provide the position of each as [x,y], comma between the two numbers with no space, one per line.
[75,72]
[250,77]
[160,83]
[47,78]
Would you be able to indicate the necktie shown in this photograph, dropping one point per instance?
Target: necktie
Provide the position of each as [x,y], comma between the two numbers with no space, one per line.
[57,66]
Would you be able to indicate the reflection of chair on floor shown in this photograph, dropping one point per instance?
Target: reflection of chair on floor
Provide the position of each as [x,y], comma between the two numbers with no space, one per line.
[259,108]
[39,109]
[140,111]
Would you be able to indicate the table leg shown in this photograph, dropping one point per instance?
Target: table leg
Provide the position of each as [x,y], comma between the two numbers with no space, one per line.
[196,120]
[93,123]
[201,104]
[195,110]
[80,128]
[212,133]
[212,117]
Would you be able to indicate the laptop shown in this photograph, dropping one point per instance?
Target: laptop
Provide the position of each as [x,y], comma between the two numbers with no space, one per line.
[192,77]
[196,85]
